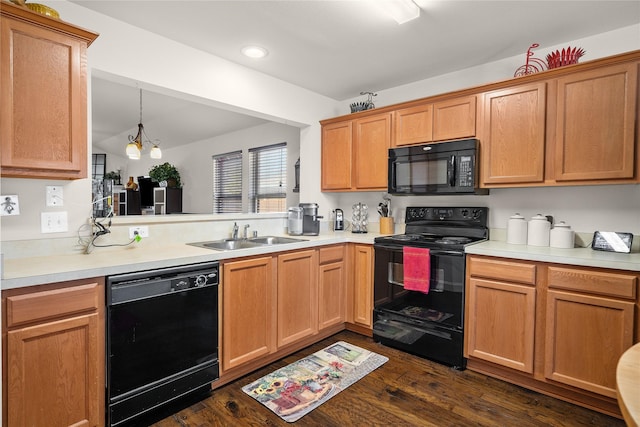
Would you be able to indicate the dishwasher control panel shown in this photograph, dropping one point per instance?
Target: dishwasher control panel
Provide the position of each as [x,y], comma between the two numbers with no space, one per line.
[153,283]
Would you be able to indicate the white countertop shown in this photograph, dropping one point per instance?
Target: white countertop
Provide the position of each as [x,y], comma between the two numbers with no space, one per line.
[31,271]
[22,272]
[576,256]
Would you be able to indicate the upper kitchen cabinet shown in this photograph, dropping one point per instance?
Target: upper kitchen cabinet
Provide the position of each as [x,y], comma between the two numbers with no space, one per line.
[513,135]
[595,124]
[43,95]
[355,152]
[568,126]
[449,119]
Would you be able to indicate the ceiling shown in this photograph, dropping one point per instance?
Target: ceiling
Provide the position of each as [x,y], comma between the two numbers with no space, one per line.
[335,48]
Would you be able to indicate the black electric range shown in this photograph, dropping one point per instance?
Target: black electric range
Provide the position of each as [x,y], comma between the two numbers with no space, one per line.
[429,324]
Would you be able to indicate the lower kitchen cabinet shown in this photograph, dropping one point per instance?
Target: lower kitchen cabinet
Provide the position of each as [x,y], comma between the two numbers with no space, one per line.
[553,328]
[361,296]
[297,296]
[249,292]
[332,274]
[586,331]
[54,357]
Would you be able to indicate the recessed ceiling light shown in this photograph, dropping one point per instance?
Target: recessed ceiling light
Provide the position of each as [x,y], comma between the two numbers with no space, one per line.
[254,51]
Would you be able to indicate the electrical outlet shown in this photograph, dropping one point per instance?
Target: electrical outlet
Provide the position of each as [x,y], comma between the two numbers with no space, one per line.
[53,222]
[143,231]
[55,195]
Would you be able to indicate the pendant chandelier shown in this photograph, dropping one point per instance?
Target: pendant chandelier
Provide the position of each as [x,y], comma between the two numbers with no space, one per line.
[135,145]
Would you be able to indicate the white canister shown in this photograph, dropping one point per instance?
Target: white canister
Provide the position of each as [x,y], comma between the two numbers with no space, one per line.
[517,230]
[561,236]
[538,231]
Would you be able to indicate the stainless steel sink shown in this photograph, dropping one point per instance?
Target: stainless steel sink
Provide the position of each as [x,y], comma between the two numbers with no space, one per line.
[235,244]
[275,240]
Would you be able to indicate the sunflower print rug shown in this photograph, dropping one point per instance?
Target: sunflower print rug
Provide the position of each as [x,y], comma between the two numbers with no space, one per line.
[298,388]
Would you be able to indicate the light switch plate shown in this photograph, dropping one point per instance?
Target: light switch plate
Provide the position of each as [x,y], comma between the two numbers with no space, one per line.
[54,222]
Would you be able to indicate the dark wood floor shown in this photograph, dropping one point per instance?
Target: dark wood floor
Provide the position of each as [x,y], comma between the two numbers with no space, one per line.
[405,391]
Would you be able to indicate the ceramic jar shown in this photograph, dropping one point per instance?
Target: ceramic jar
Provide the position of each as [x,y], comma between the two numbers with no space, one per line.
[517,230]
[538,231]
[561,236]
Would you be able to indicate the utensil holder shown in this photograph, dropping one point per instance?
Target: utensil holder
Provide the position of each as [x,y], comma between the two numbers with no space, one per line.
[386,225]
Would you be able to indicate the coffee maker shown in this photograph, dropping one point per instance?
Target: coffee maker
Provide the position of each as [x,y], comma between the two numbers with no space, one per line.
[338,224]
[310,219]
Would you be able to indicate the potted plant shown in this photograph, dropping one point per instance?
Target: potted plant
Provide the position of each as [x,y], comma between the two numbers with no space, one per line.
[114,176]
[166,172]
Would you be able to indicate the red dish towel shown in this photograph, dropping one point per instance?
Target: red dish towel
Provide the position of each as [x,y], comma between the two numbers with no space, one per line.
[417,269]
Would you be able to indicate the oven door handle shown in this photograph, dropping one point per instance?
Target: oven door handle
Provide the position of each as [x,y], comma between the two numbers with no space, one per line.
[396,248]
[452,253]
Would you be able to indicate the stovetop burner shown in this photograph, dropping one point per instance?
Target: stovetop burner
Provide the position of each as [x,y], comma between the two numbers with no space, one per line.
[439,227]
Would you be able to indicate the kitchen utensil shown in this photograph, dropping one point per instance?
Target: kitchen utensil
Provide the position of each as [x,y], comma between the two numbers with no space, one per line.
[561,236]
[517,230]
[538,230]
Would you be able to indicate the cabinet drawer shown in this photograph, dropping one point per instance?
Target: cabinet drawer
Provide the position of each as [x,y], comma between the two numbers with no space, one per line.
[331,254]
[603,283]
[503,270]
[50,304]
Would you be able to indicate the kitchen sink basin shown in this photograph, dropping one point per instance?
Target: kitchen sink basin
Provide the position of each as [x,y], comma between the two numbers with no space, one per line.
[275,240]
[234,244]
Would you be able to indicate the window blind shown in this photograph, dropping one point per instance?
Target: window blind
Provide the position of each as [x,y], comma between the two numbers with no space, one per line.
[227,182]
[268,178]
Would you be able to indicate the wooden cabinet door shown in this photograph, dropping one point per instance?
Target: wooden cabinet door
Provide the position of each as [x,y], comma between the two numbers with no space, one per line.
[585,336]
[501,323]
[43,91]
[54,358]
[248,314]
[363,285]
[595,125]
[297,296]
[413,125]
[454,118]
[336,156]
[372,139]
[331,294]
[513,135]
[53,374]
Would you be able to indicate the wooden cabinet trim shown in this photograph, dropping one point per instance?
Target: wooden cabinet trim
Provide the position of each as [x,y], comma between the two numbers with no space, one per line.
[503,270]
[603,283]
[39,306]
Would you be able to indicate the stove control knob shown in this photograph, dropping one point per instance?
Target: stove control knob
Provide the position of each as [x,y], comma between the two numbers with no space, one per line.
[477,213]
[464,212]
[201,280]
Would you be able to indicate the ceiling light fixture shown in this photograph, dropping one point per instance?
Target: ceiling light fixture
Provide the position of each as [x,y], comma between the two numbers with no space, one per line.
[400,10]
[255,52]
[135,145]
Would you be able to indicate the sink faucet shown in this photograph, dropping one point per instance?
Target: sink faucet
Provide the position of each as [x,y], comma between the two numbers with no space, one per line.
[235,231]
[245,232]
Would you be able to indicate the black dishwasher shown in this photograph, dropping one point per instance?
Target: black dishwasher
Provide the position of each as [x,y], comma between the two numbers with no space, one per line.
[162,338]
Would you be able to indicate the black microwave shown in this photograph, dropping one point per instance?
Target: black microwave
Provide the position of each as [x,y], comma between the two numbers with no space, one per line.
[440,168]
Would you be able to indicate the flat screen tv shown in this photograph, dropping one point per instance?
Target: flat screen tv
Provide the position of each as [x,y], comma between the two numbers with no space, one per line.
[146,186]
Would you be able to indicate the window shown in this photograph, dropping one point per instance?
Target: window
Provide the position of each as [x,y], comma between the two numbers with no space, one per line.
[98,166]
[227,182]
[268,178]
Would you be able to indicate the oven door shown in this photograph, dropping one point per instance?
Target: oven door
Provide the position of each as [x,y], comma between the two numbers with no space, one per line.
[430,325]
